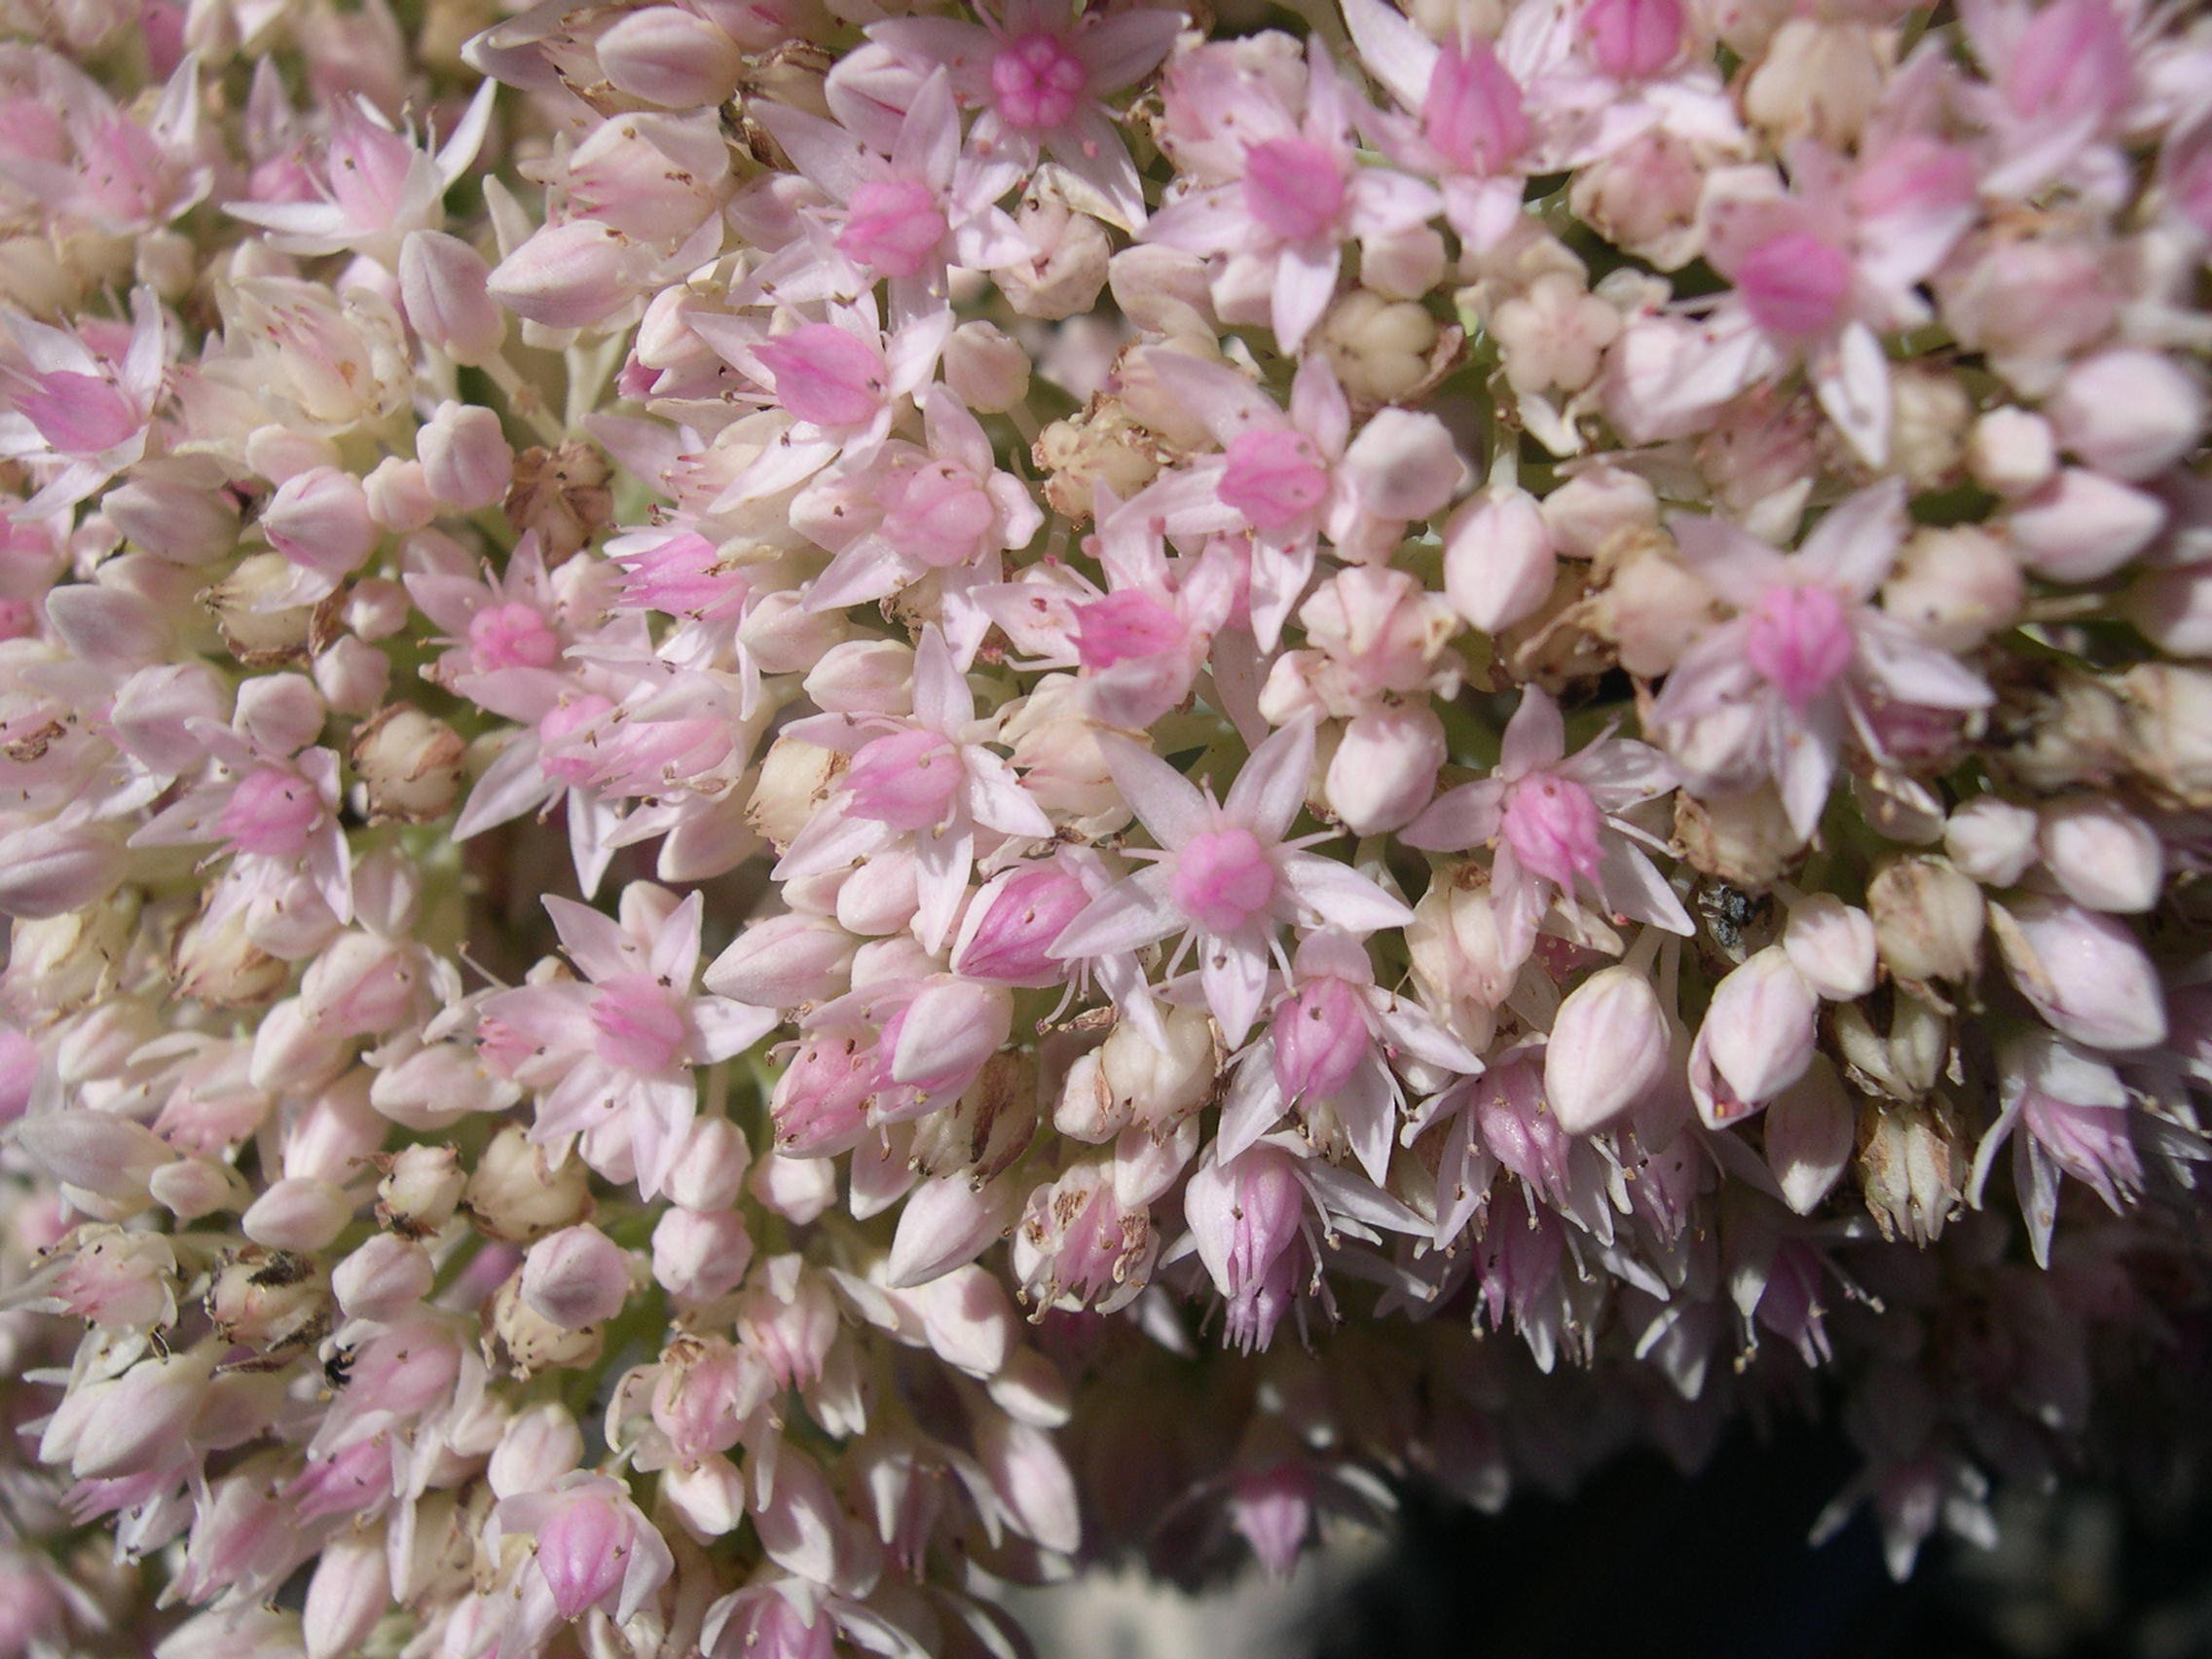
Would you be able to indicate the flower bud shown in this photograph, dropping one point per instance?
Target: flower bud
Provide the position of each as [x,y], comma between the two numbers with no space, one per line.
[319,520]
[863,677]
[1379,346]
[1610,1042]
[421,1189]
[788,960]
[1498,563]
[1954,587]
[1007,931]
[270,1299]
[1066,264]
[2127,412]
[399,495]
[2083,526]
[1133,1082]
[2171,607]
[529,1342]
[1758,1029]
[1404,465]
[710,1171]
[700,1255]
[352,676]
[1384,770]
[944,1036]
[1810,1129]
[1745,841]
[173,517]
[361,983]
[56,963]
[569,275]
[1243,1215]
[466,460]
[410,763]
[785,637]
[2169,726]
[669,56]
[139,1418]
[348,1592]
[1926,920]
[382,1280]
[96,1150]
[2011,452]
[2101,855]
[445,295]
[517,1195]
[2083,970]
[946,1223]
[1832,944]
[1991,840]
[195,1187]
[986,369]
[255,610]
[298,1212]
[539,1446]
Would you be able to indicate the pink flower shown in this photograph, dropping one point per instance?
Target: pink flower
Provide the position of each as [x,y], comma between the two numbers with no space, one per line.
[1223,875]
[591,1547]
[1041,69]
[1300,192]
[616,1050]
[1556,827]
[80,417]
[1773,691]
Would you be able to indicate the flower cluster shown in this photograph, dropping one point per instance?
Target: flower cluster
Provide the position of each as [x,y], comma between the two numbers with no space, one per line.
[810,805]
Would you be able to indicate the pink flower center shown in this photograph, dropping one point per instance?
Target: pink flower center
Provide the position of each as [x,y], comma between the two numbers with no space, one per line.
[907,780]
[1293,187]
[1472,113]
[893,226]
[580,1553]
[1799,640]
[824,375]
[78,414]
[1273,477]
[1036,83]
[1123,625]
[935,513]
[1320,1039]
[1222,878]
[636,1023]
[271,811]
[1795,284]
[511,636]
[1551,823]
[1630,39]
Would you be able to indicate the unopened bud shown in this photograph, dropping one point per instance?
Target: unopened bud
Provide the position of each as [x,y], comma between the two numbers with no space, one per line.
[1498,563]
[517,1195]
[466,460]
[2083,970]
[1928,920]
[270,1299]
[1832,944]
[444,290]
[2011,452]
[529,1342]
[1992,840]
[986,369]
[709,1173]
[2083,526]
[1810,1127]
[1385,769]
[2127,412]
[2101,854]
[410,763]
[669,56]
[421,1189]
[1955,587]
[2169,720]
[319,520]
[569,275]
[1610,1042]
[576,1278]
[701,1256]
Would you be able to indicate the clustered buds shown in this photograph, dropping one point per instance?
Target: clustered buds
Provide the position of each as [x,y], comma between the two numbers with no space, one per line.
[753,752]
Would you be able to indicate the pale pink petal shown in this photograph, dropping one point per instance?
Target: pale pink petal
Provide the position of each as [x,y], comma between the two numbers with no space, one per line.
[1458,819]
[1128,915]
[995,798]
[1733,563]
[1343,897]
[1853,547]
[726,1028]
[1167,803]
[1234,974]
[1270,786]
[595,941]
[1633,887]
[1535,737]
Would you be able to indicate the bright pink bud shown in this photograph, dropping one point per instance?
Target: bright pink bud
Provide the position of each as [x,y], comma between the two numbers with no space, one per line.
[2071,62]
[465,459]
[764,1624]
[580,1551]
[1320,1036]
[1551,823]
[444,290]
[907,780]
[1794,285]
[637,1024]
[576,1278]
[1273,477]
[319,520]
[821,1102]
[1222,878]
[1630,39]
[1293,187]
[1019,914]
[1473,112]
[1799,640]
[826,375]
[894,226]
[1037,83]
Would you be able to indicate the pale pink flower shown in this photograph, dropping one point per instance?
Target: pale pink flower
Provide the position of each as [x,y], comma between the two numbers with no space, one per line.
[78,414]
[1224,876]
[1556,827]
[1300,192]
[1039,70]
[1772,692]
[591,1547]
[618,1048]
